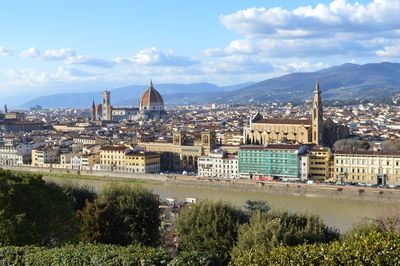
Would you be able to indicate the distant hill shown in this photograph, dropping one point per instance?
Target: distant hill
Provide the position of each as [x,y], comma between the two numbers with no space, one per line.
[129,95]
[348,81]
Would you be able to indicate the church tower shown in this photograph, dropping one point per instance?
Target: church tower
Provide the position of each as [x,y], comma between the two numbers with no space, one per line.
[317,117]
[94,113]
[106,106]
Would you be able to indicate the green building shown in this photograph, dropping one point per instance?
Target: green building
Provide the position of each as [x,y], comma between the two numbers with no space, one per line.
[274,160]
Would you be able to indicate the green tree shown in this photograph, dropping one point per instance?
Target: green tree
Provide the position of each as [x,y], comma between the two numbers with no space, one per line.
[122,215]
[253,206]
[266,231]
[79,194]
[209,227]
[34,212]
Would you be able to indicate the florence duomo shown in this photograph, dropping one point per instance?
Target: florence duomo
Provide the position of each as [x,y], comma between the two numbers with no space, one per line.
[151,107]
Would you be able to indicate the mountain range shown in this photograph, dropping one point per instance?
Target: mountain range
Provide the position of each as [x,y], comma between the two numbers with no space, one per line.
[348,81]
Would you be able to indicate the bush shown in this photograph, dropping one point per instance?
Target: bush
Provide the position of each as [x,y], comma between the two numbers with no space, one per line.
[196,258]
[374,248]
[79,194]
[34,212]
[209,227]
[122,215]
[266,231]
[83,254]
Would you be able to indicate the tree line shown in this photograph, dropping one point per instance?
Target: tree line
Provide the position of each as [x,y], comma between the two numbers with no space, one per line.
[44,223]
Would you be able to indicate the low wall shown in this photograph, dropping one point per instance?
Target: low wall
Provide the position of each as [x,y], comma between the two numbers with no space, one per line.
[299,189]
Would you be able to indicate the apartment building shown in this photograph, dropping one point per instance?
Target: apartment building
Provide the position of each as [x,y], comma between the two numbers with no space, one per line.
[218,165]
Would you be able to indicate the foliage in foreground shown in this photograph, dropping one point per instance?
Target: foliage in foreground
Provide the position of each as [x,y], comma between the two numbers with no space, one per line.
[209,227]
[34,212]
[372,248]
[83,254]
[122,215]
[197,258]
[267,231]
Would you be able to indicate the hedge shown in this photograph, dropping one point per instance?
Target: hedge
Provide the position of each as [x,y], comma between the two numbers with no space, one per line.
[375,248]
[83,254]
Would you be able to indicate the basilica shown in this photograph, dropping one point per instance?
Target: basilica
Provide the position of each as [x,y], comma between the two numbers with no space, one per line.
[151,107]
[301,131]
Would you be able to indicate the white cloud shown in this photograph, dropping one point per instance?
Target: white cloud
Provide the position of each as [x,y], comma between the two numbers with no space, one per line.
[5,52]
[69,56]
[153,56]
[90,61]
[389,51]
[378,16]
[31,53]
[59,54]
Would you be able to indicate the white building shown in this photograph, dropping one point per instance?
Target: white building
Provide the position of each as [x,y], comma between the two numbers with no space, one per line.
[14,153]
[218,165]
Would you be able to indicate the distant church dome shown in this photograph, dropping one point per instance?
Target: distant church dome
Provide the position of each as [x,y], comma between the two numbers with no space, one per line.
[151,100]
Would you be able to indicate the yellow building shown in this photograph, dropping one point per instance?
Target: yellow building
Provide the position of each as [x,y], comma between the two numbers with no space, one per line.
[370,167]
[112,157]
[122,159]
[45,156]
[321,163]
[142,162]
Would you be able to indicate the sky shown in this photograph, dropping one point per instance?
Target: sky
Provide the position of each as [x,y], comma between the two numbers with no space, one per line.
[49,47]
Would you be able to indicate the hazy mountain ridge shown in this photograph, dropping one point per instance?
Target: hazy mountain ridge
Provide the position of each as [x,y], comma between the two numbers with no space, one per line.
[347,81]
[129,95]
[339,82]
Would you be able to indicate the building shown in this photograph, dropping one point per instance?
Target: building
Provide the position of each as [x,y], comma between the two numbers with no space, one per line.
[274,160]
[151,104]
[301,131]
[122,159]
[218,165]
[370,167]
[106,106]
[14,153]
[45,156]
[142,162]
[320,163]
[151,107]
[179,154]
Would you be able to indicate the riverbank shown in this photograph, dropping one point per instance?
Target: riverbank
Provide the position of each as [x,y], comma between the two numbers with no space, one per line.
[280,188]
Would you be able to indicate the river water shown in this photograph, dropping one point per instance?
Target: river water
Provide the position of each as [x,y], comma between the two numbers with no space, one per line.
[339,213]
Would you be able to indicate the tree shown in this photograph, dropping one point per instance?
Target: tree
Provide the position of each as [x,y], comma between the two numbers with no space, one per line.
[122,215]
[252,206]
[34,212]
[78,194]
[268,230]
[209,227]
[365,145]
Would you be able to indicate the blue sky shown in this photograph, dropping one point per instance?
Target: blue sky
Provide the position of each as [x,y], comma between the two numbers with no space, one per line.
[48,47]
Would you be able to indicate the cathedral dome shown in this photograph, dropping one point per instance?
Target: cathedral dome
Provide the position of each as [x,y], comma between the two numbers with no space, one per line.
[151,100]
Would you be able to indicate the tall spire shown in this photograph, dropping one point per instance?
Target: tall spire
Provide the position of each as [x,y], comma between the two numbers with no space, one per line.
[317,87]
[151,84]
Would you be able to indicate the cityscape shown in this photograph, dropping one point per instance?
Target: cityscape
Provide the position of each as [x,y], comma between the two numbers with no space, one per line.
[214,133]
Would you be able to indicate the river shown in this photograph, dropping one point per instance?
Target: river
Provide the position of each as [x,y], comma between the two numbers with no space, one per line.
[339,213]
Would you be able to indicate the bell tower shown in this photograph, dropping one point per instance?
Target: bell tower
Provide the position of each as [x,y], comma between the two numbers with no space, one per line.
[317,117]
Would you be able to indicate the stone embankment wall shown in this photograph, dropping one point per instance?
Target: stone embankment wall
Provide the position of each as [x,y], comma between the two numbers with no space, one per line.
[300,189]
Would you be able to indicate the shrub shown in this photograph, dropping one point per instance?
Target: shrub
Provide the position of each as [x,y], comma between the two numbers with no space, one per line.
[34,212]
[266,231]
[122,215]
[83,254]
[209,227]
